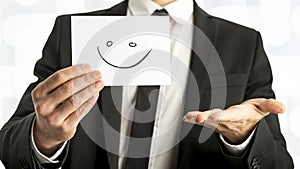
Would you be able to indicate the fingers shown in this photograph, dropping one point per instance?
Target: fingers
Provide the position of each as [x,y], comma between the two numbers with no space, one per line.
[209,118]
[236,122]
[250,111]
[265,106]
[73,86]
[61,101]
[74,118]
[191,117]
[62,76]
[75,101]
[271,105]
[46,99]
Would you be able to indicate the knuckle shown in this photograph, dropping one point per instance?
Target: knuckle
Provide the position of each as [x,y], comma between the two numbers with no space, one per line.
[86,78]
[52,121]
[59,76]
[74,121]
[214,117]
[96,75]
[64,128]
[81,68]
[71,101]
[35,93]
[80,112]
[91,102]
[91,90]
[41,106]
[67,88]
[85,67]
[62,108]
[69,129]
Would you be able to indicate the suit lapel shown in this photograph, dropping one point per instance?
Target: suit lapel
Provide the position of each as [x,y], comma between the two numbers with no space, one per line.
[197,63]
[204,23]
[117,10]
[110,105]
[199,74]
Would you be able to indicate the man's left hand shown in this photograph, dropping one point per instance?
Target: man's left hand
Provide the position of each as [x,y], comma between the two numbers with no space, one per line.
[237,122]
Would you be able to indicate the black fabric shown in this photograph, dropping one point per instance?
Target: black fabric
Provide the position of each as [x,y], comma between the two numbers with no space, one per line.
[146,103]
[160,12]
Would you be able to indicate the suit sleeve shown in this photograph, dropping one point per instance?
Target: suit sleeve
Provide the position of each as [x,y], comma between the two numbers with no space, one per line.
[15,146]
[268,148]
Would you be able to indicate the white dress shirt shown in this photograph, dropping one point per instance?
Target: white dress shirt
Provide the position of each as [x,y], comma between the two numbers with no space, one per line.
[168,115]
[169,110]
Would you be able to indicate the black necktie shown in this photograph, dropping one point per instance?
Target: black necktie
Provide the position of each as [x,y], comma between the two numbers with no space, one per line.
[160,12]
[142,125]
[143,118]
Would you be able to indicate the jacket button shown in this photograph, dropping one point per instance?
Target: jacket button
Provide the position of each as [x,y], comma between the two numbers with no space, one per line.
[255,163]
[255,160]
[256,167]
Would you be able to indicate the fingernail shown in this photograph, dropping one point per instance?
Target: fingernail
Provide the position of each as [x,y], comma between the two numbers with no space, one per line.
[185,119]
[190,117]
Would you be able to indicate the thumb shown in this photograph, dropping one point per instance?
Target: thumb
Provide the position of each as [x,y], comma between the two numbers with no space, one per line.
[272,106]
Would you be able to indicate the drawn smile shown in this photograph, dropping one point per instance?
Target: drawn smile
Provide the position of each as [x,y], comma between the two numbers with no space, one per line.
[124,67]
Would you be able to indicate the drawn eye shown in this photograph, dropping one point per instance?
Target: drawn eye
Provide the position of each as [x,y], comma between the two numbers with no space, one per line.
[109,43]
[132,44]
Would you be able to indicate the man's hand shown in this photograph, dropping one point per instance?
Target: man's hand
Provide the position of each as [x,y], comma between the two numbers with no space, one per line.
[60,102]
[238,121]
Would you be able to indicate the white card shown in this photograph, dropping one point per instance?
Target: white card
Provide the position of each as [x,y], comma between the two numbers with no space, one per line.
[127,50]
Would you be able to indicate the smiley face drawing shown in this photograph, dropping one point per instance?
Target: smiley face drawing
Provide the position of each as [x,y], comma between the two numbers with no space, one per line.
[126,50]
[131,45]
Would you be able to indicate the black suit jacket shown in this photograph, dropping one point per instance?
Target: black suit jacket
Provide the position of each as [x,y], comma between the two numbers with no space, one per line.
[248,75]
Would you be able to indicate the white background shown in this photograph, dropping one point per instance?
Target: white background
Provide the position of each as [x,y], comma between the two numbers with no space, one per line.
[26,24]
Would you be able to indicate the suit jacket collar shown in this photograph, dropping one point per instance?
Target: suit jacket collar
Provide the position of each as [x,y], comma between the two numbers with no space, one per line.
[205,23]
[208,28]
[117,10]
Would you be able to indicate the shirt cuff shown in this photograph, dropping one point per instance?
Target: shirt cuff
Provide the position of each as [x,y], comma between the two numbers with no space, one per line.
[41,157]
[237,150]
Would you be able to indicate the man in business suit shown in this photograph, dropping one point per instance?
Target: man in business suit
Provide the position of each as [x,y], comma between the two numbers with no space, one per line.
[45,130]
